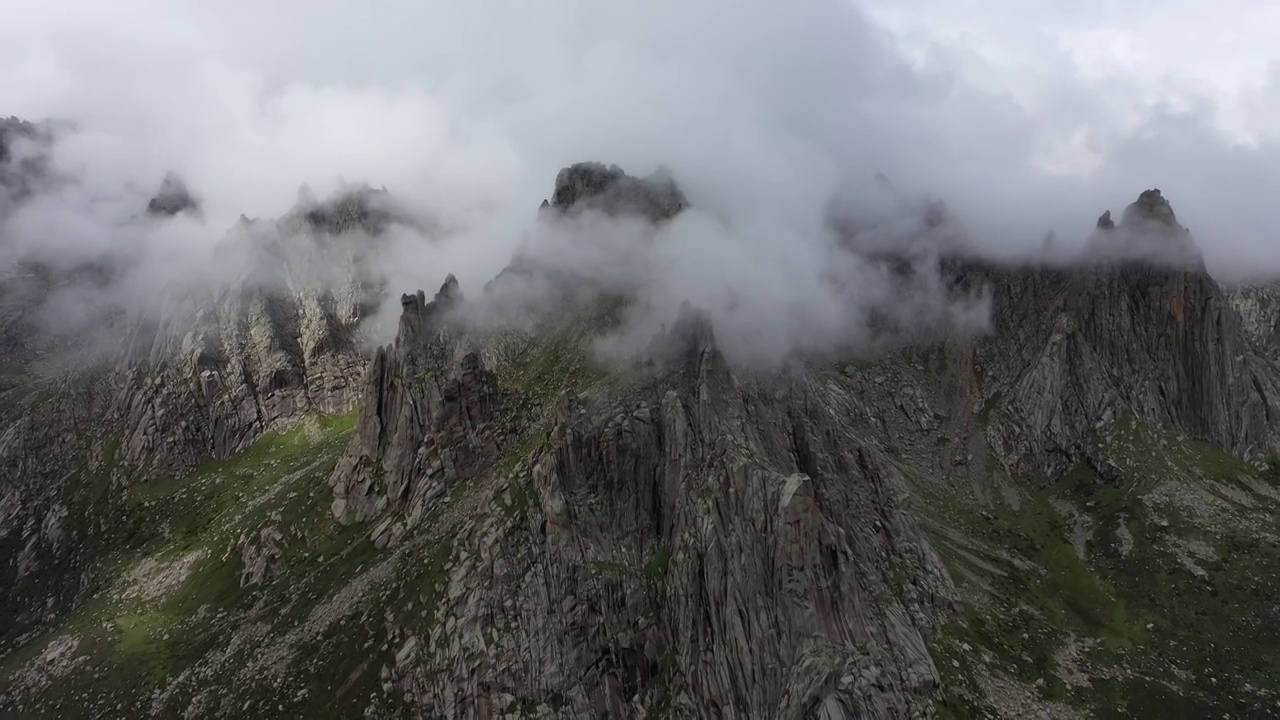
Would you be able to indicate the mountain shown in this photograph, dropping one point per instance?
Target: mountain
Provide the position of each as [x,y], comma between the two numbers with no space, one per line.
[248,509]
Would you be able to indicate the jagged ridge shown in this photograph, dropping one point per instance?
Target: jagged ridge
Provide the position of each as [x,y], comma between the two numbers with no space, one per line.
[543,536]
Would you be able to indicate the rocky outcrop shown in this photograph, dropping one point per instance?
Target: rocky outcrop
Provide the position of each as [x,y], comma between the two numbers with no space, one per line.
[360,207]
[13,129]
[1151,209]
[54,505]
[1148,233]
[1258,305]
[172,198]
[262,560]
[252,360]
[203,376]
[697,541]
[593,186]
[607,192]
[20,297]
[1132,331]
[220,367]
[690,540]
[431,416]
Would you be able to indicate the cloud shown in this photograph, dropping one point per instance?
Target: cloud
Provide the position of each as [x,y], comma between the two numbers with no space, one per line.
[1024,117]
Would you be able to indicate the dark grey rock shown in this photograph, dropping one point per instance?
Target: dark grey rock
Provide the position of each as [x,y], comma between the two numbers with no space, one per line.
[262,560]
[750,525]
[172,198]
[1123,334]
[1150,207]
[593,186]
[431,415]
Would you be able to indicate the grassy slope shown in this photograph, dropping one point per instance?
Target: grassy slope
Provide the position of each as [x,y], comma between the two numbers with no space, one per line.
[135,646]
[131,641]
[1154,638]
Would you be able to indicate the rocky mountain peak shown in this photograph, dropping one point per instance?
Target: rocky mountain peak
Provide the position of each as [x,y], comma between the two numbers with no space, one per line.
[419,317]
[1151,213]
[608,189]
[450,290]
[1150,207]
[360,207]
[1148,231]
[172,198]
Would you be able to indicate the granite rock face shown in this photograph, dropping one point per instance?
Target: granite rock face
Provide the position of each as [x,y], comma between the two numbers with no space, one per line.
[1139,327]
[219,368]
[431,416]
[1258,305]
[203,378]
[1148,233]
[699,542]
[262,559]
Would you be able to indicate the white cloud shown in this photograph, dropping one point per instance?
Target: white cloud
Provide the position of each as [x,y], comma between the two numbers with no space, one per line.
[1024,116]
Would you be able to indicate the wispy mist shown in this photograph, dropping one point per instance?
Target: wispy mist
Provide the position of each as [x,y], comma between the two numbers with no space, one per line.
[766,113]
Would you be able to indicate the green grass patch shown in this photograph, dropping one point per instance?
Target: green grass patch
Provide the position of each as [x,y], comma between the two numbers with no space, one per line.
[133,644]
[185,508]
[1164,641]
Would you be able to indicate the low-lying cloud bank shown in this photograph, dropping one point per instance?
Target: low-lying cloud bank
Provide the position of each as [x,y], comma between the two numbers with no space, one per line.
[775,118]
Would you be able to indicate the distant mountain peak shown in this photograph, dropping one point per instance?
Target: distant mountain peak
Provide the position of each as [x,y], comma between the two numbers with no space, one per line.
[1150,206]
[172,198]
[608,189]
[1149,231]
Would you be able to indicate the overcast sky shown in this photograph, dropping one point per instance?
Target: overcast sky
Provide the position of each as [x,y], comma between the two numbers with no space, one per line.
[1024,115]
[1180,95]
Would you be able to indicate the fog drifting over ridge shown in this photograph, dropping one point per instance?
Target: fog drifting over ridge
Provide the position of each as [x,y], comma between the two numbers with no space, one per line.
[762,110]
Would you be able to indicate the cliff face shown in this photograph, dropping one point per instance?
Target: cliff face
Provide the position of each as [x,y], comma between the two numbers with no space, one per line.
[154,394]
[789,571]
[222,366]
[1258,306]
[687,542]
[251,514]
[431,416]
[692,543]
[1129,331]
